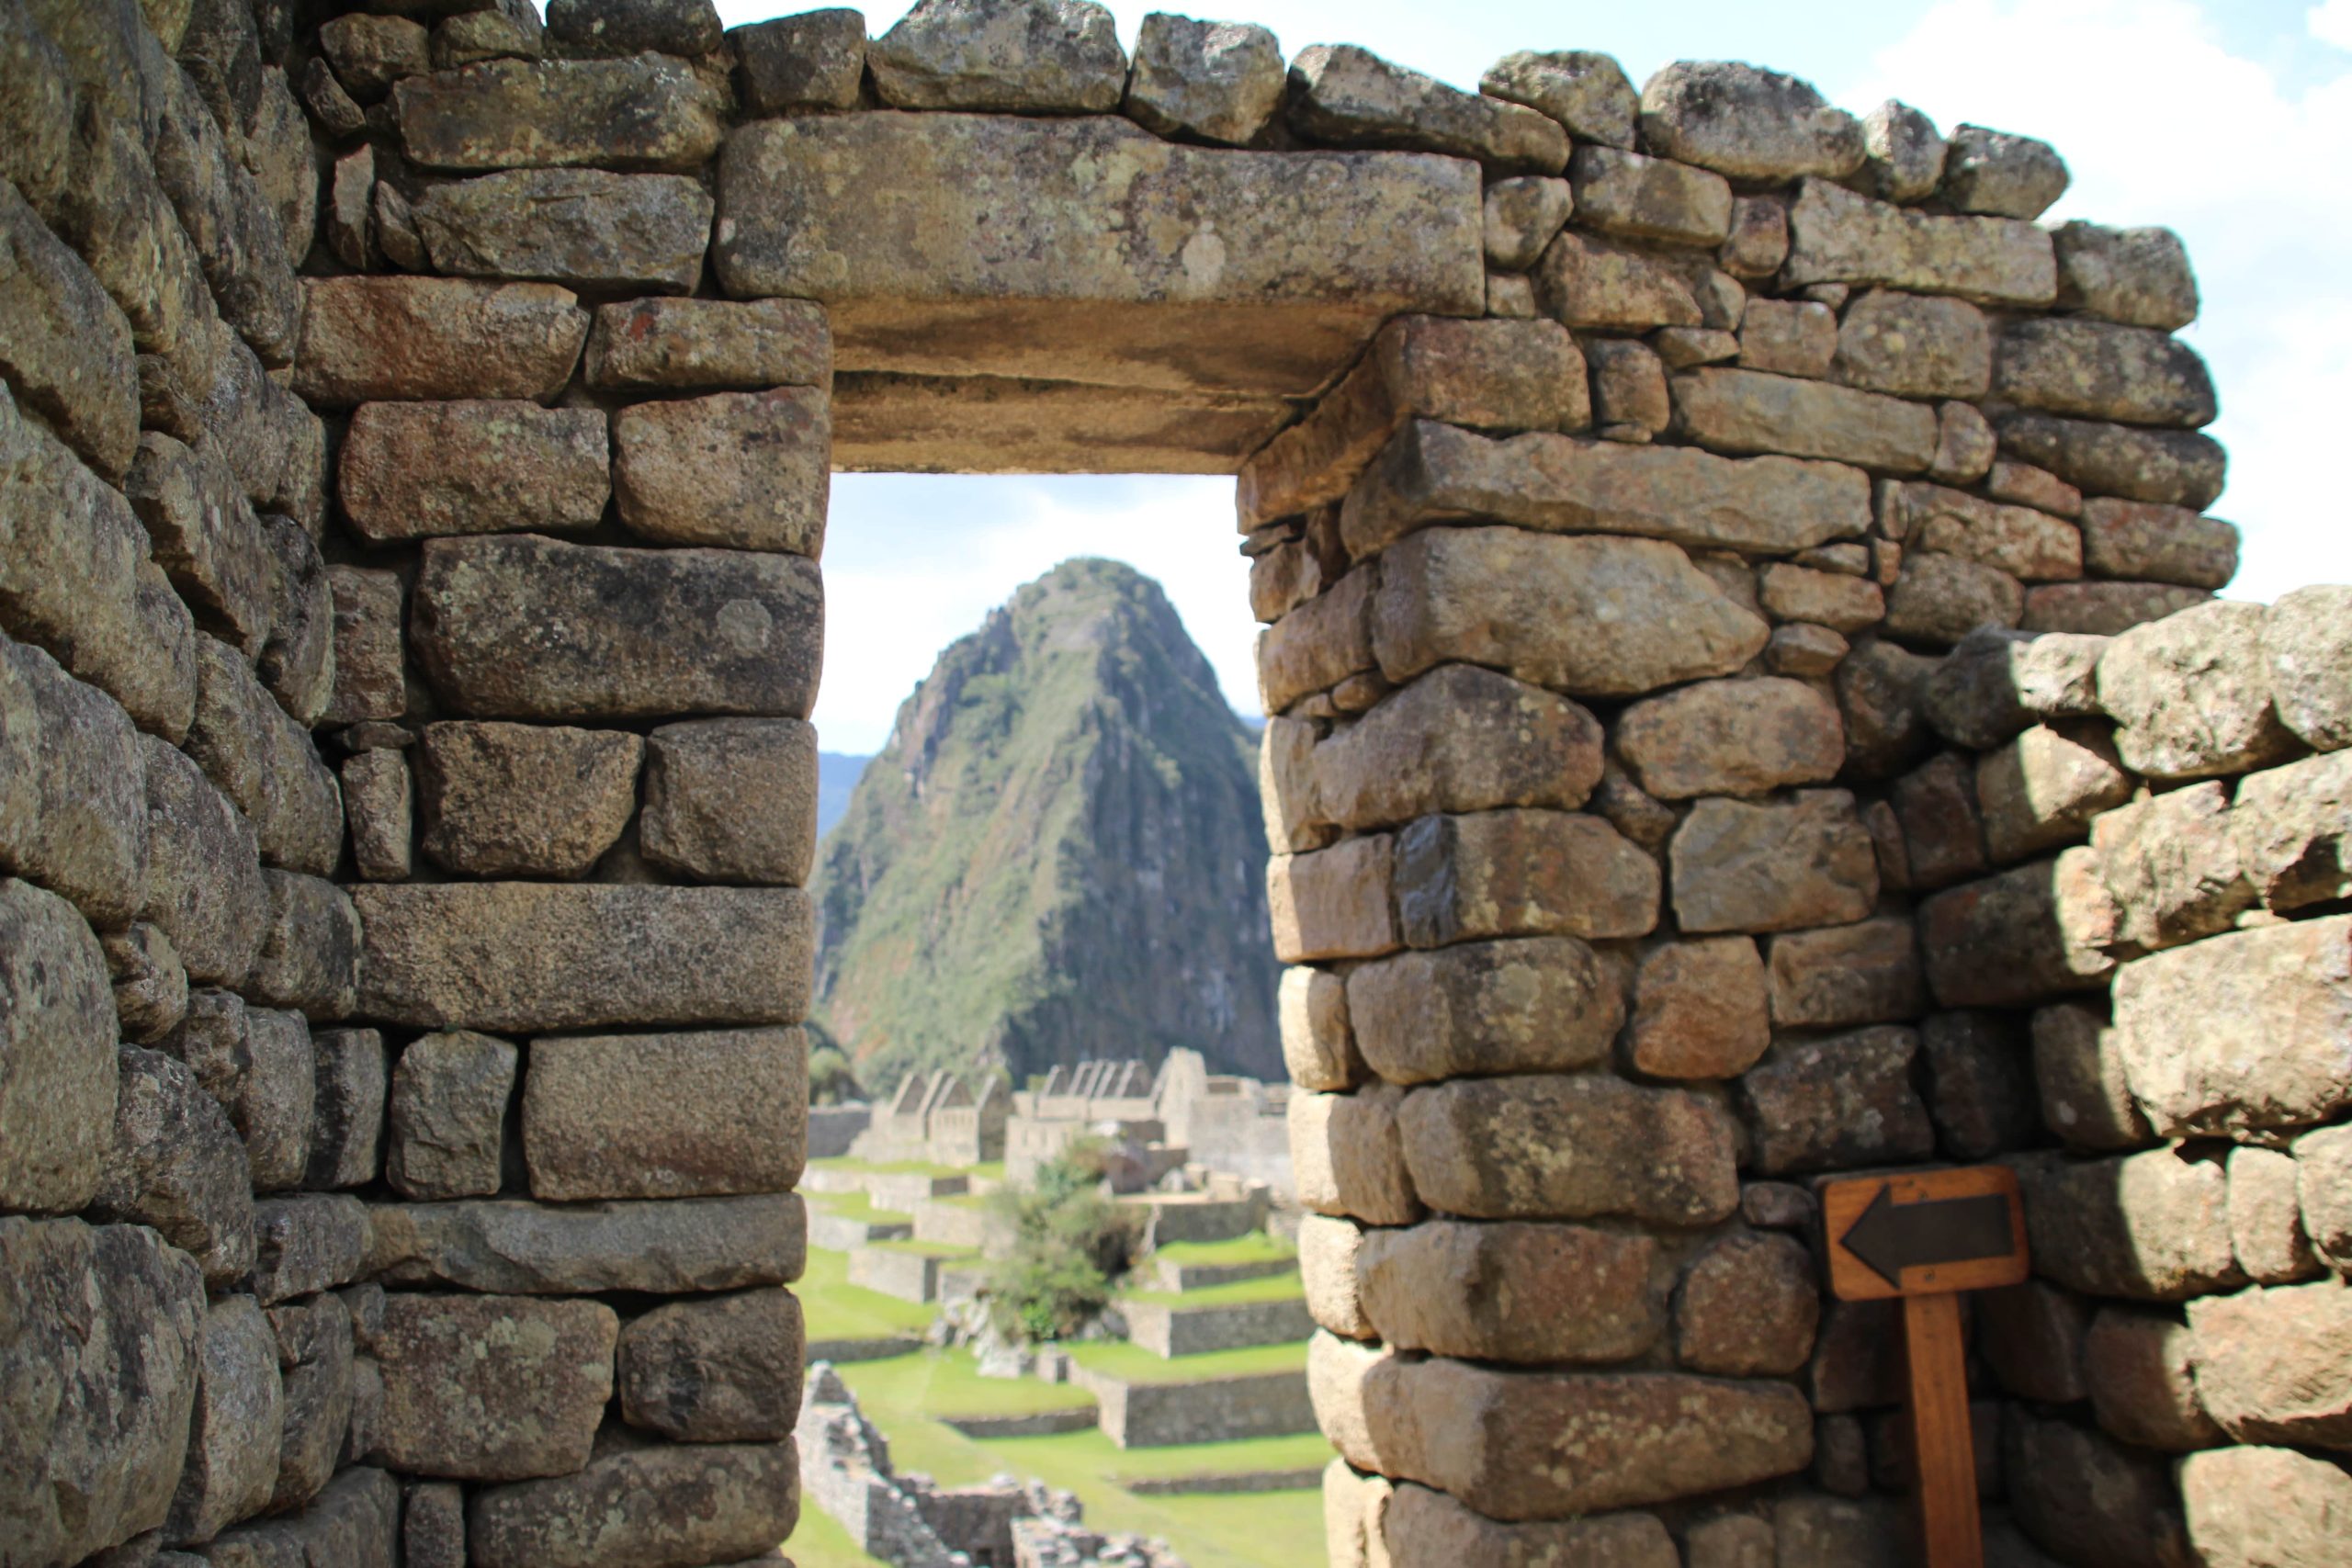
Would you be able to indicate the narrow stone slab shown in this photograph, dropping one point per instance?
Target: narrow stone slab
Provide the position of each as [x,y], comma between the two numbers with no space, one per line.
[1095,252]
[512,955]
[1747,410]
[434,339]
[646,112]
[525,627]
[1837,236]
[2098,370]
[417,471]
[891,423]
[1435,473]
[710,345]
[687,1246]
[643,1503]
[2172,468]
[584,227]
[1512,1291]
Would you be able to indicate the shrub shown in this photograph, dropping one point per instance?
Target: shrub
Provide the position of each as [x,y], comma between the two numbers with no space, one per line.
[831,1080]
[1070,1245]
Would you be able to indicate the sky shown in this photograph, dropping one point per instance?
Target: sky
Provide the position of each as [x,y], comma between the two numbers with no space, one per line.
[2228,120]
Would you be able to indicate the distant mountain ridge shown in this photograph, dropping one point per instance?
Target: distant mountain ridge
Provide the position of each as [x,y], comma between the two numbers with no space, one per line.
[837,777]
[1058,854]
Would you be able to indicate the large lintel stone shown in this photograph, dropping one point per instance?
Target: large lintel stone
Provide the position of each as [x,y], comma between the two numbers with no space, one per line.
[518,1249]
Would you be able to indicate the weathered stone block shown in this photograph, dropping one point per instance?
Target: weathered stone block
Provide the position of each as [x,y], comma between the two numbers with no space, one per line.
[1421,1526]
[309,960]
[415,470]
[589,29]
[276,1097]
[1522,214]
[1746,411]
[448,1107]
[357,1518]
[1746,1306]
[1538,605]
[639,113]
[1318,1046]
[176,1164]
[2170,468]
[742,470]
[366,339]
[638,1502]
[2271,1364]
[370,652]
[73,797]
[347,1110]
[2139,540]
[486,1388]
[264,761]
[1837,236]
[1700,1011]
[2293,828]
[234,1426]
[813,60]
[1328,1247]
[2043,789]
[2139,1369]
[314,1365]
[1827,1104]
[691,1245]
[2191,694]
[1460,738]
[204,885]
[1334,903]
[1538,1004]
[1341,96]
[1939,599]
[1347,1158]
[99,1370]
[2267,1219]
[1650,198]
[1768,866]
[2138,276]
[1999,172]
[688,1116]
[2017,540]
[1914,345]
[307,1243]
[2031,1335]
[65,346]
[379,807]
[2309,650]
[1867,973]
[2083,1497]
[524,628]
[150,982]
[2104,609]
[1586,282]
[1569,1148]
[2240,1032]
[1878,687]
[2025,936]
[1629,394]
[584,228]
[58,1068]
[1754,125]
[726,1371]
[1586,92]
[1502,1292]
[2092,369]
[2251,1505]
[1788,337]
[1521,872]
[712,344]
[521,799]
[2174,865]
[1432,473]
[731,800]
[2150,1226]
[1981,1092]
[1732,738]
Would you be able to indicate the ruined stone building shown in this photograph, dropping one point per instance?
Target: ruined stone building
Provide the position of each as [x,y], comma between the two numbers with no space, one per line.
[1225,1123]
[941,1118]
[1746,703]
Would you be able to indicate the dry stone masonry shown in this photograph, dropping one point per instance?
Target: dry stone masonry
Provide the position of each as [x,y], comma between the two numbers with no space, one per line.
[1746,703]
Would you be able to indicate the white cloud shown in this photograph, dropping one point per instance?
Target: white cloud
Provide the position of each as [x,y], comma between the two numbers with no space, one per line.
[2162,124]
[2331,23]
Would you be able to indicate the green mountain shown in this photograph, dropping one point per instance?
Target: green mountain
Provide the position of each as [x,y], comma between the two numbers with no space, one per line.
[837,777]
[1059,853]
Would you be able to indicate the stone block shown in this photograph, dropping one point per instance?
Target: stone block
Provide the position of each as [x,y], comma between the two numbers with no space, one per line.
[2017,540]
[2033,1335]
[486,1388]
[1539,1004]
[1520,1445]
[2242,1032]
[1569,1148]
[2141,1369]
[1329,1250]
[2151,1228]
[642,1503]
[639,113]
[688,1116]
[1836,1103]
[1753,125]
[1503,1291]
[204,885]
[58,1068]
[262,760]
[584,228]
[298,658]
[731,800]
[1310,249]
[2084,1499]
[1535,605]
[2271,1363]
[1981,1092]
[1965,444]
[1344,96]
[228,222]
[1630,401]
[1747,1307]
[1747,410]
[2147,543]
[73,809]
[65,346]
[417,471]
[307,1243]
[233,1426]
[2252,1506]
[1773,865]
[2026,485]
[370,652]
[813,60]
[1521,872]
[1759,241]
[691,1245]
[1939,599]
[2138,276]
[1333,903]
[2310,655]
[1731,737]
[589,29]
[434,339]
[740,470]
[2029,935]
[1320,643]
[1788,337]
[357,1518]
[1318,1045]
[1422,1525]
[1914,345]
[1586,92]
[1835,236]
[1996,681]
[372,53]
[1650,198]
[724,1370]
[315,1368]
[1432,473]
[2191,694]
[1347,1158]
[2324,1188]
[2090,369]
[1866,973]
[2174,865]
[1701,1009]
[347,1108]
[99,1370]
[150,982]
[1218,81]
[712,344]
[2266,1218]
[1590,283]
[1999,172]
[1522,214]
[1037,57]
[379,807]
[2104,609]
[522,799]
[433,1513]
[2043,789]
[309,960]
[524,627]
[177,1165]
[2169,468]
[1806,650]
[446,1134]
[1879,688]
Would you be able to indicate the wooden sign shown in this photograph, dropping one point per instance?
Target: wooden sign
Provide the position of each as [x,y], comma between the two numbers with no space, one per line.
[1922,1237]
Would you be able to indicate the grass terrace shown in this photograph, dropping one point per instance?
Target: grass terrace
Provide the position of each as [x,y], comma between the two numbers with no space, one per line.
[1133,1363]
[1240,1292]
[1255,1247]
[835,1309]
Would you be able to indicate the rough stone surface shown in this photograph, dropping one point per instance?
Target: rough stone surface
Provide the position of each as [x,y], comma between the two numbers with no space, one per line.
[1788,337]
[370,652]
[724,1370]
[307,1243]
[1903,152]
[1746,411]
[1522,215]
[642,1504]
[1586,282]
[380,805]
[58,1071]
[1731,737]
[2266,1218]
[1747,1307]
[731,800]
[2310,653]
[2002,173]
[1219,81]
[204,885]
[2043,789]
[2084,1499]
[1501,1291]
[2150,1226]
[1334,903]
[2028,935]
[1318,1046]
[1866,973]
[525,627]
[486,1388]
[2242,1031]
[447,1108]
[2271,1364]
[264,761]
[2098,370]
[315,1363]
[1753,125]
[1536,1004]
[1701,1009]
[709,345]
[2170,468]
[594,28]
[2250,1506]
[1536,603]
[355,1519]
[431,338]
[2104,609]
[2141,1371]
[691,1245]
[1981,1092]
[1422,1525]
[1569,1148]
[2138,276]
[1521,872]
[2292,825]
[1650,198]
[1837,236]
[2324,1188]
[1939,599]
[99,1370]
[741,470]
[813,60]
[1344,96]
[415,470]
[2033,1335]
[1770,866]
[2136,540]
[1346,1158]
[583,227]
[2174,865]
[234,1426]
[347,1112]
[179,1166]
[1328,1247]
[1459,739]
[309,960]
[1843,1102]
[687,1115]
[524,800]
[150,982]
[640,113]
[65,346]
[1587,93]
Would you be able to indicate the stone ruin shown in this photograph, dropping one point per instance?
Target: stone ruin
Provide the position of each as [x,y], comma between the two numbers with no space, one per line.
[1184,1115]
[1745,705]
[940,1119]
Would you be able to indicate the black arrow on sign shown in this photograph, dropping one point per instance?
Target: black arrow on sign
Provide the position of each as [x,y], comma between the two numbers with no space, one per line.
[1891,1236]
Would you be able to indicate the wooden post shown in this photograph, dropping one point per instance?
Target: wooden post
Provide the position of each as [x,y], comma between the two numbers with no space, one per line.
[1943,1445]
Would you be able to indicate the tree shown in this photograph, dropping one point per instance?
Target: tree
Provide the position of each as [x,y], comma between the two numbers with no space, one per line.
[1071,1244]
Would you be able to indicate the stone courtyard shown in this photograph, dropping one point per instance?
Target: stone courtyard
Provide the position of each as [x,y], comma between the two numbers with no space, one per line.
[1746,703]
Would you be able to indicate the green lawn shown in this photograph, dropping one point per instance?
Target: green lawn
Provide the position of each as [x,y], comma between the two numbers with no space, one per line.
[1255,1247]
[898,1168]
[820,1542]
[942,1383]
[858,1206]
[1240,1292]
[926,1249]
[1133,1363]
[1269,1530]
[836,1309]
